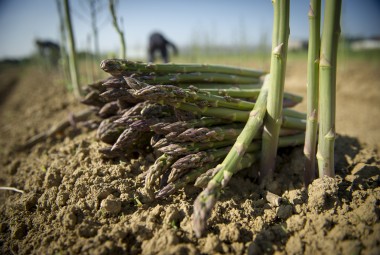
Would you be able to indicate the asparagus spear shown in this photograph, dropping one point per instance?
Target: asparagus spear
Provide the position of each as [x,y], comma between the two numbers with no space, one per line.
[197,77]
[237,115]
[312,91]
[277,70]
[115,82]
[127,139]
[119,67]
[220,133]
[160,166]
[161,143]
[115,93]
[109,109]
[198,160]
[175,94]
[220,112]
[93,98]
[195,160]
[240,91]
[181,126]
[172,95]
[109,131]
[187,148]
[247,160]
[204,134]
[98,85]
[327,87]
[171,187]
[208,197]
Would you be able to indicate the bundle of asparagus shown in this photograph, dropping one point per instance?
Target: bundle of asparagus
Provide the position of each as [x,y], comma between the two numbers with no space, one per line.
[190,115]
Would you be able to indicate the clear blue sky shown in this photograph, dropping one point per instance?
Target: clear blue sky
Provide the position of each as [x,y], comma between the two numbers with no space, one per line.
[222,22]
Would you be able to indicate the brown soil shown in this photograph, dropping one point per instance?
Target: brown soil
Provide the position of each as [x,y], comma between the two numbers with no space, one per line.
[76,203]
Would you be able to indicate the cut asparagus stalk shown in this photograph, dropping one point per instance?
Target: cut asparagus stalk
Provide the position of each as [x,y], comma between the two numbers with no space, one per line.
[247,161]
[204,134]
[109,131]
[218,133]
[241,91]
[149,93]
[109,109]
[181,126]
[115,82]
[93,98]
[118,67]
[187,148]
[208,197]
[276,91]
[114,93]
[312,91]
[160,166]
[171,187]
[127,139]
[172,95]
[197,77]
[327,87]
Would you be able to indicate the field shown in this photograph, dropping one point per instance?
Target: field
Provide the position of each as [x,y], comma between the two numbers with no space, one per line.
[76,203]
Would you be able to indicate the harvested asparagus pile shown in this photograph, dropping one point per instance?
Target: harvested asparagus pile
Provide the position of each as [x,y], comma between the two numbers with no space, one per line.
[189,115]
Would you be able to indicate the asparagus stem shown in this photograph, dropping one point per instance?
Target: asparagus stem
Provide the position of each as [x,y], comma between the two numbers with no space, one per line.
[218,133]
[187,148]
[327,87]
[196,77]
[255,88]
[175,94]
[285,141]
[204,134]
[239,91]
[118,67]
[237,115]
[73,60]
[277,77]
[207,198]
[312,91]
[181,126]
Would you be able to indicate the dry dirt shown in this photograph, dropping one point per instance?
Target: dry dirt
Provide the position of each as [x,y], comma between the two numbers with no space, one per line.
[76,203]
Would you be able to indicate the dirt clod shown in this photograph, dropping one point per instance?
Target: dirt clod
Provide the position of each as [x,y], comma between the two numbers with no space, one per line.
[111,205]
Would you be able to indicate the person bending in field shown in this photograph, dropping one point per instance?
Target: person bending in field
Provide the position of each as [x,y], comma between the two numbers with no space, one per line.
[158,43]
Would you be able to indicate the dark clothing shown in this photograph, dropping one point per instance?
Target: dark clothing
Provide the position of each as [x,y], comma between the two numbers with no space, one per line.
[157,42]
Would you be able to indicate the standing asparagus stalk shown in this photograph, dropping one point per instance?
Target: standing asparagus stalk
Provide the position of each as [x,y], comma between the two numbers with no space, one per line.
[207,198]
[117,28]
[72,53]
[276,90]
[312,91]
[327,87]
